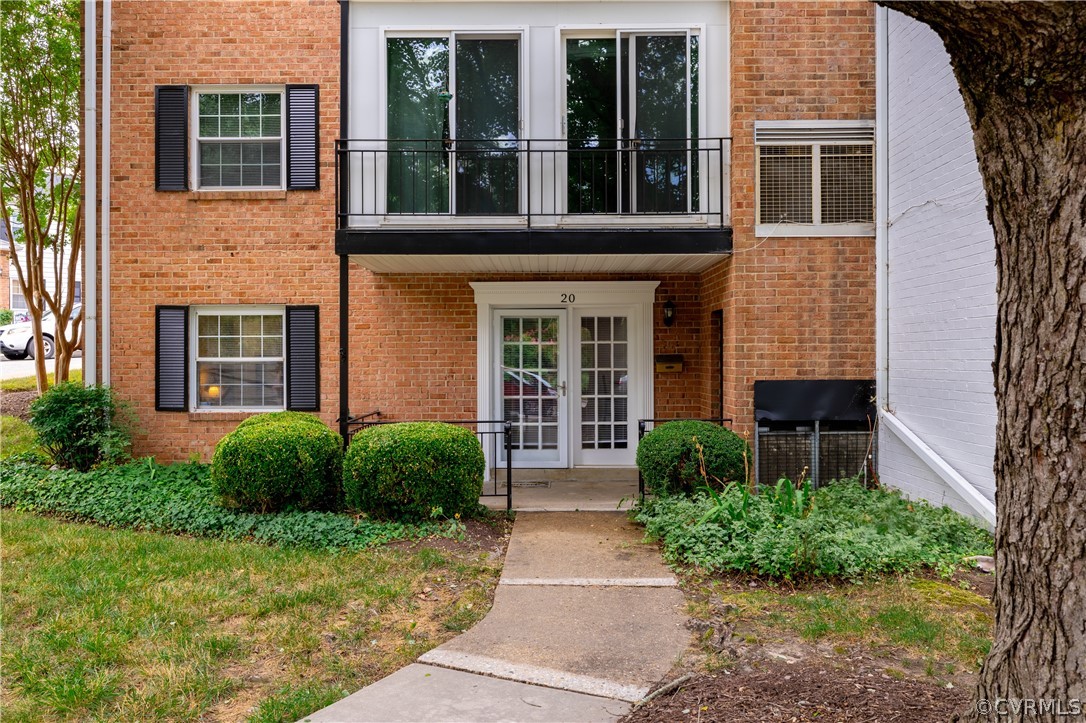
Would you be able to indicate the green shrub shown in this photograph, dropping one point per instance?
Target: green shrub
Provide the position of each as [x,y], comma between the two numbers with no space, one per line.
[179,498]
[279,462]
[7,316]
[278,417]
[78,425]
[843,531]
[414,469]
[668,457]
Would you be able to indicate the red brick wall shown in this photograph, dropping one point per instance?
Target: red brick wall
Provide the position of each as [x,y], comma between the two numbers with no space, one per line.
[791,307]
[171,248]
[794,308]
[413,342]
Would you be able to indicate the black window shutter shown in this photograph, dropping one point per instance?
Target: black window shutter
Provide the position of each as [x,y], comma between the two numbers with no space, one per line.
[171,358]
[303,364]
[171,138]
[303,137]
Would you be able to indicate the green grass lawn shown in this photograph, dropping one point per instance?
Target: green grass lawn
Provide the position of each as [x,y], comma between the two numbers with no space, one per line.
[27,384]
[934,627]
[16,436]
[119,625]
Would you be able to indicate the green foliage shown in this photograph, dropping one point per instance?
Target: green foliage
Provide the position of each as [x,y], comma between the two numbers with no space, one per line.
[840,531]
[7,316]
[668,457]
[78,425]
[180,498]
[278,461]
[16,437]
[40,111]
[414,470]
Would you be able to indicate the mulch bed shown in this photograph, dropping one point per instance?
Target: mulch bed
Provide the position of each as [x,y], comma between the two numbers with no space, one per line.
[17,404]
[488,535]
[806,691]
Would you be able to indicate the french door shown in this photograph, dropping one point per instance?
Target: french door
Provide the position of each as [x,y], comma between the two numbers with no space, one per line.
[567,380]
[453,124]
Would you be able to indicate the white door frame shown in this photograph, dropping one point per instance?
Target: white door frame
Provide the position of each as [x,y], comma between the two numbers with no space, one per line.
[580,295]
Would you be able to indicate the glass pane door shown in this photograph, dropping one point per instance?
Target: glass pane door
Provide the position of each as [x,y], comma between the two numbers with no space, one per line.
[592,125]
[604,393]
[418,123]
[487,99]
[531,395]
[660,105]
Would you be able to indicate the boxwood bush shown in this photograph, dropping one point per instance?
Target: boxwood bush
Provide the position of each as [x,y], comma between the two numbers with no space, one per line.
[279,461]
[78,425]
[414,469]
[668,457]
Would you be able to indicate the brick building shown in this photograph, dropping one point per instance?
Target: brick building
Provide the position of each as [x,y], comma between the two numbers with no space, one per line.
[572,215]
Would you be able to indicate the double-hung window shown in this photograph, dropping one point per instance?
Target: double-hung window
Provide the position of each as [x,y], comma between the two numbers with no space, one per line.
[236,358]
[239,141]
[240,360]
[237,138]
[815,178]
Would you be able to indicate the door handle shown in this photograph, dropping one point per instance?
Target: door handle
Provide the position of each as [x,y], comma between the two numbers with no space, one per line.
[562,387]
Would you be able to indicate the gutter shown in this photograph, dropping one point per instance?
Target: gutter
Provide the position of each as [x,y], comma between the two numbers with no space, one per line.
[107,61]
[90,197]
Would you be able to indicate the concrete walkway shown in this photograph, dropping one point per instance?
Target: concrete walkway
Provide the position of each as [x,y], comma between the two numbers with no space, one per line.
[586,619]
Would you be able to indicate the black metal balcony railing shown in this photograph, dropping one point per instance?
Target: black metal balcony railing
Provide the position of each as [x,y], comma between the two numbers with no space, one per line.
[537,182]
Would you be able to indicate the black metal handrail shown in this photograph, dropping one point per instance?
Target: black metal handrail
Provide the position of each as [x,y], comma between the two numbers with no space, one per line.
[504,429]
[641,433]
[528,179]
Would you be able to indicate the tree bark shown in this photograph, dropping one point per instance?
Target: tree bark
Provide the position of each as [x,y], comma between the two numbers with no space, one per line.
[1022,72]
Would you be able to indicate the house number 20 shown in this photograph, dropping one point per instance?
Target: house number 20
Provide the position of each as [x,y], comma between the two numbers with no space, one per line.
[569,298]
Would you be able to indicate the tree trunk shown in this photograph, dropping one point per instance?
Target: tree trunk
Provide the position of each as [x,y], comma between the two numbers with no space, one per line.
[1022,72]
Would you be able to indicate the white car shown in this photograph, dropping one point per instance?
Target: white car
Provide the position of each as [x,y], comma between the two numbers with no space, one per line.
[17,340]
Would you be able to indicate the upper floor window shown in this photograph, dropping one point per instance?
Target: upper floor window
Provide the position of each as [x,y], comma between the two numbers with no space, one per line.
[815,178]
[239,139]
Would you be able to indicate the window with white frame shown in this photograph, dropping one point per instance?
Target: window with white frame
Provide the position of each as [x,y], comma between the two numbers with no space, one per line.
[817,176]
[18,301]
[239,357]
[239,138]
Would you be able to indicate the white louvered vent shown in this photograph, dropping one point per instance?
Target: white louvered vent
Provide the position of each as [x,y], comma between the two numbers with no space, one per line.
[765,135]
[818,174]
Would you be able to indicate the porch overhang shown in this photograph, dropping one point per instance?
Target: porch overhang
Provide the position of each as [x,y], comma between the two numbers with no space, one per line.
[657,250]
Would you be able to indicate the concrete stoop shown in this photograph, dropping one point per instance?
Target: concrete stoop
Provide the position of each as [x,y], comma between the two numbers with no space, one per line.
[586,618]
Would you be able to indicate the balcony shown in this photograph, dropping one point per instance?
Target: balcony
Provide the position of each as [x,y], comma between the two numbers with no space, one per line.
[533,205]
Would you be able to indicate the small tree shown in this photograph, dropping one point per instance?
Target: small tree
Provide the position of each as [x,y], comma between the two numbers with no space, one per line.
[40,192]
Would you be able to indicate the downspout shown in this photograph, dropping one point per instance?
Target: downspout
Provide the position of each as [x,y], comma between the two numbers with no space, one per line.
[107,59]
[90,194]
[344,263]
[882,207]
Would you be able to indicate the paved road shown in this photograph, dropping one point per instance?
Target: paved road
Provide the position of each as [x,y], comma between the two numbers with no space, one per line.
[11,369]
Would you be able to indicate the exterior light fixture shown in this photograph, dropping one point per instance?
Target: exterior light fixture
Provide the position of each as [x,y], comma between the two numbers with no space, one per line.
[669,313]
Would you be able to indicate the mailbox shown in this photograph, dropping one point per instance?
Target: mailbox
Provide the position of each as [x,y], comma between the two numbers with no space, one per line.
[669,363]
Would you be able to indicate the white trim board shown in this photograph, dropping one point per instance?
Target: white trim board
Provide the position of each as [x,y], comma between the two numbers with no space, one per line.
[970,494]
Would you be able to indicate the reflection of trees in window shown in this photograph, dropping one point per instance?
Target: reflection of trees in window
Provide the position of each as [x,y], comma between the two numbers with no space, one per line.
[487,126]
[418,173]
[662,115]
[591,125]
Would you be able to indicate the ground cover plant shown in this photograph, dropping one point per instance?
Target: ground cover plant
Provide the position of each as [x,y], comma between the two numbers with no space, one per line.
[109,624]
[842,530]
[179,498]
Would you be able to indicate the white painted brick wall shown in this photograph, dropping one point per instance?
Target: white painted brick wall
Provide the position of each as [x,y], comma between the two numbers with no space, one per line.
[942,288]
